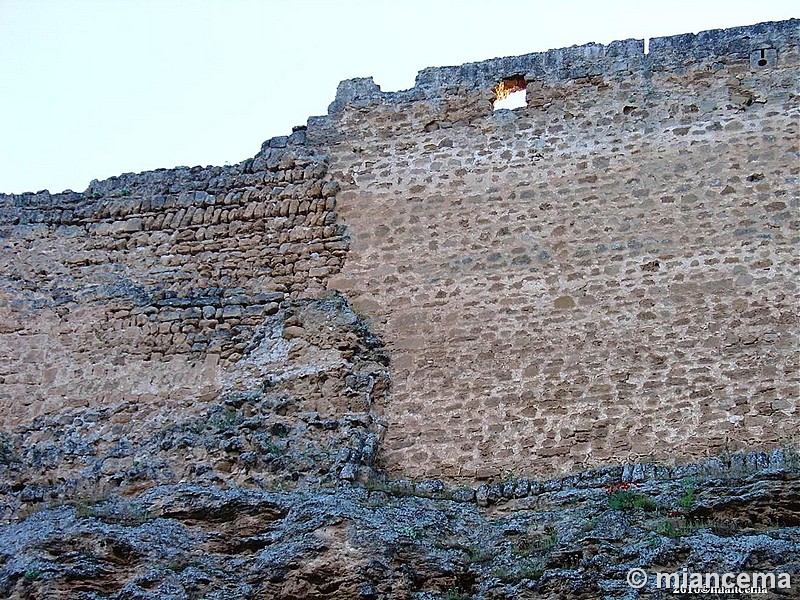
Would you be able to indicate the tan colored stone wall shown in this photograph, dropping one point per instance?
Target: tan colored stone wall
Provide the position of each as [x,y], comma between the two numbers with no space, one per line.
[144,287]
[607,275]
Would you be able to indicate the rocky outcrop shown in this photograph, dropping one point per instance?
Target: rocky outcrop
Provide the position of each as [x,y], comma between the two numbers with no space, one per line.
[570,540]
[298,412]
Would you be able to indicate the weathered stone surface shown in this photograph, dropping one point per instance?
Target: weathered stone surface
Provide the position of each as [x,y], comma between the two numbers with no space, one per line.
[179,541]
[594,277]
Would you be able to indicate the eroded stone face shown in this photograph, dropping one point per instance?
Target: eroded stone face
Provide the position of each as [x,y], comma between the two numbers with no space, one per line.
[297,413]
[142,288]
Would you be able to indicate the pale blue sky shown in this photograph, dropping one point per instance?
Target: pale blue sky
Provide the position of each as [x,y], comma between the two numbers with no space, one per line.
[91,89]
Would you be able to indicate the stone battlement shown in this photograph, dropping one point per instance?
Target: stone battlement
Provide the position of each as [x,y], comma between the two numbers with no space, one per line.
[618,59]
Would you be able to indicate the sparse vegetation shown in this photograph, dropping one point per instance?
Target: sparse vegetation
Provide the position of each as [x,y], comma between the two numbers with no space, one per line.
[409,532]
[280,432]
[589,524]
[453,593]
[478,555]
[224,419]
[393,487]
[791,456]
[667,527]
[272,448]
[677,526]
[178,564]
[83,510]
[503,573]
[537,544]
[724,527]
[8,451]
[131,516]
[687,499]
[623,496]
[85,504]
[524,569]
[644,502]
[194,426]
[280,485]
[531,569]
[99,506]
[376,485]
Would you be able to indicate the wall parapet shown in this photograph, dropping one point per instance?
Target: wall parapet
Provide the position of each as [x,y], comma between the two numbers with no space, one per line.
[212,179]
[738,43]
[617,59]
[179,186]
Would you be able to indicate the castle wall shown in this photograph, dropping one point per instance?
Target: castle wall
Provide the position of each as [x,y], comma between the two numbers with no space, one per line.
[608,274]
[145,287]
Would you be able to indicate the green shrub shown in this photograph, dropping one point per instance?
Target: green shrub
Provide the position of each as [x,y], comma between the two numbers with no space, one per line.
[623,496]
[676,526]
[409,532]
[687,499]
[8,451]
[83,509]
[272,448]
[524,569]
[453,593]
[479,555]
[537,544]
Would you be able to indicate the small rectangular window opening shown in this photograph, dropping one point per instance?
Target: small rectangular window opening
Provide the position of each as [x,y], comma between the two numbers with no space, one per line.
[510,93]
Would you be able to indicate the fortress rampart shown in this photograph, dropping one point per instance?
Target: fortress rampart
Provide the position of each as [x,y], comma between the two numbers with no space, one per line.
[605,275]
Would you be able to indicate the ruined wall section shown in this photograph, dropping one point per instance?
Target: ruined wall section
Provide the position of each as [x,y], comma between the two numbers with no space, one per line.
[174,325]
[145,286]
[606,274]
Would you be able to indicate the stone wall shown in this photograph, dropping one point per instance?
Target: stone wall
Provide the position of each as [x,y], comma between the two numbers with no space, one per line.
[144,285]
[174,325]
[606,274]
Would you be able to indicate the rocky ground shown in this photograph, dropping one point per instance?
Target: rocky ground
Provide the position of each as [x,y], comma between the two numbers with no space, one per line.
[575,537]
